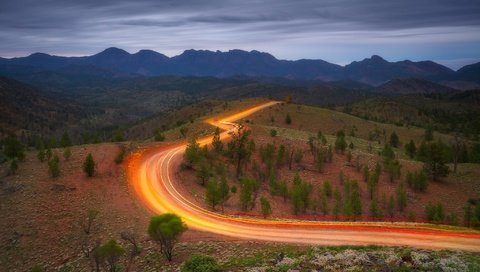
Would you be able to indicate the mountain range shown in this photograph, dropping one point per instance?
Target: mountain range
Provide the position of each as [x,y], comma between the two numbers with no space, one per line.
[117,63]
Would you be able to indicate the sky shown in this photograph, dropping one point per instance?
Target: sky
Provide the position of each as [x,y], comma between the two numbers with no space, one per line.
[338,31]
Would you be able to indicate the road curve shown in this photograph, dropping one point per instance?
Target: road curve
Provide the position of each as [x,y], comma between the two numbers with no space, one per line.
[151,176]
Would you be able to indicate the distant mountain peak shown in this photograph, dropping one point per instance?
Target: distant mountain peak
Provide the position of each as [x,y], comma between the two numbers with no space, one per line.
[113,51]
[377,58]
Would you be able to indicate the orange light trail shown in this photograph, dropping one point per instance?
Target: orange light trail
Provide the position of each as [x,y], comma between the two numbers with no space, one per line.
[150,175]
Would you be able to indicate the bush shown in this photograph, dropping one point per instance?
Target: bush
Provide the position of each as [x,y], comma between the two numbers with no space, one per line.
[89,165]
[200,263]
[273,132]
[120,156]
[54,167]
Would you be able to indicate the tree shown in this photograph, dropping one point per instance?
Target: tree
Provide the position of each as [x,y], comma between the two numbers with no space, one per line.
[89,165]
[165,229]
[468,215]
[67,153]
[216,142]
[283,190]
[212,194]
[192,153]
[239,148]
[327,188]
[54,166]
[281,156]
[204,173]
[375,210]
[300,194]
[13,148]
[120,155]
[338,203]
[428,136]
[340,143]
[183,131]
[417,180]
[434,212]
[456,146]
[392,168]
[288,119]
[366,173]
[411,149]
[266,208]
[373,186]
[394,141]
[41,155]
[13,167]
[111,252]
[200,263]
[391,207]
[401,197]
[247,187]
[224,192]
[434,163]
[273,133]
[322,201]
[158,136]
[65,140]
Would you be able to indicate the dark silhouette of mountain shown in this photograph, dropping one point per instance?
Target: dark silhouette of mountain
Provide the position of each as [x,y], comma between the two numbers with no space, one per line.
[373,71]
[402,86]
[469,73]
[24,108]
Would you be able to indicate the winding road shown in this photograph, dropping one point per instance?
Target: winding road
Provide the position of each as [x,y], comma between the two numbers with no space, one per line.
[151,176]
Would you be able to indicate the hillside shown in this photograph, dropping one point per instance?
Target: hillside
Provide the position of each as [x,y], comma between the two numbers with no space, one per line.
[402,86]
[28,110]
[450,111]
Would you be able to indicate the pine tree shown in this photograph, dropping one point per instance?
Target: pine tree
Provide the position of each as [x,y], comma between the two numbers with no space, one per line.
[89,165]
[394,141]
[216,142]
[266,208]
[411,149]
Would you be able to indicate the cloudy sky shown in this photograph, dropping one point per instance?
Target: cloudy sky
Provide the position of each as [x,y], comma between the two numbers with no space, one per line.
[339,31]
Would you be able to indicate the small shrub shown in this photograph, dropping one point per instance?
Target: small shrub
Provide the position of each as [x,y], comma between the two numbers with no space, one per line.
[200,263]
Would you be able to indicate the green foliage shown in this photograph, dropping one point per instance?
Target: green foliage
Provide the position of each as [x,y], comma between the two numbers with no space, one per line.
[282,189]
[158,136]
[233,189]
[322,201]
[288,119]
[401,197]
[41,155]
[298,155]
[204,173]
[417,180]
[13,148]
[411,149]
[89,165]
[67,153]
[37,268]
[247,187]
[340,143]
[392,168]
[273,132]
[120,155]
[375,210]
[240,148]
[224,191]
[428,136]
[166,229]
[216,142]
[65,140]
[110,253]
[391,206]
[353,204]
[212,194]
[434,160]
[266,208]
[394,141]
[300,195]
[54,167]
[13,167]
[327,188]
[434,212]
[373,186]
[338,203]
[192,153]
[200,263]
[468,215]
[184,131]
[281,156]
[366,173]
[387,153]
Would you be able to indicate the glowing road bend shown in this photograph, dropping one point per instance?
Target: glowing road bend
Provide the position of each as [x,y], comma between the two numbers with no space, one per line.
[151,175]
